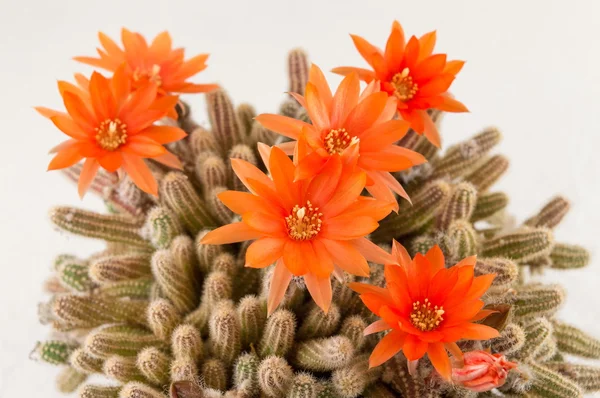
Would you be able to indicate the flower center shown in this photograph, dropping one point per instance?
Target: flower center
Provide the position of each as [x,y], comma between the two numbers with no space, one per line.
[150,75]
[404,87]
[337,140]
[426,317]
[111,134]
[304,223]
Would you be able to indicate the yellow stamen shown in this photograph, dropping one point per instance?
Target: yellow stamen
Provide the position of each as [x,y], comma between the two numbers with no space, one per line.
[111,134]
[426,317]
[151,75]
[304,222]
[337,140]
[404,87]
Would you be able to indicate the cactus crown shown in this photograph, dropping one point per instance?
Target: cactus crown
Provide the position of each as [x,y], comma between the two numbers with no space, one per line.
[160,314]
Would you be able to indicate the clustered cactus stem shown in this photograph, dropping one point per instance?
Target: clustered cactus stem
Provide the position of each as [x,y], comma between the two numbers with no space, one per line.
[160,314]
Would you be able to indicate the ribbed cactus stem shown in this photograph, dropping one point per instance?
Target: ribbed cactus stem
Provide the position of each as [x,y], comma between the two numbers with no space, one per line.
[353,328]
[576,342]
[202,140]
[547,351]
[90,311]
[488,173]
[261,134]
[163,317]
[511,340]
[95,391]
[395,374]
[83,362]
[162,226]
[54,352]
[565,256]
[537,332]
[243,152]
[121,340]
[110,269]
[184,369]
[187,343]
[181,197]
[551,214]
[174,281]
[218,209]
[245,371]
[139,390]
[122,369]
[225,262]
[464,238]
[303,385]
[550,384]
[426,204]
[418,143]
[326,390]
[206,253]
[324,354]
[217,287]
[245,114]
[183,252]
[154,365]
[350,381]
[214,374]
[459,159]
[252,314]
[274,376]
[69,379]
[521,246]
[111,228]
[279,333]
[213,172]
[289,107]
[488,204]
[224,332]
[538,300]
[319,324]
[224,121]
[297,70]
[422,244]
[506,271]
[460,205]
[585,376]
[342,294]
[73,274]
[133,289]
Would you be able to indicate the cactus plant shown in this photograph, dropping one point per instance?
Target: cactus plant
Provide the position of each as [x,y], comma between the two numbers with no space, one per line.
[159,311]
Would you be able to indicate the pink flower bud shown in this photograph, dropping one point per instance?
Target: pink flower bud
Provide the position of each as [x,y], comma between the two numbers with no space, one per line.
[482,371]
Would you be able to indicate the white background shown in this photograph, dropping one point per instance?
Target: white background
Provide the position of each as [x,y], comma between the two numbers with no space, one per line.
[533,70]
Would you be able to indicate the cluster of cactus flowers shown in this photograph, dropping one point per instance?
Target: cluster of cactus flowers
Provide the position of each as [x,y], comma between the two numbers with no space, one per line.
[162,314]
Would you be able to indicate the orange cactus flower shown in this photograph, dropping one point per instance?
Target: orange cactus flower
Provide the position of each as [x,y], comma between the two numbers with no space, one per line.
[310,228]
[427,307]
[482,371]
[113,128]
[158,62]
[343,118]
[411,73]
